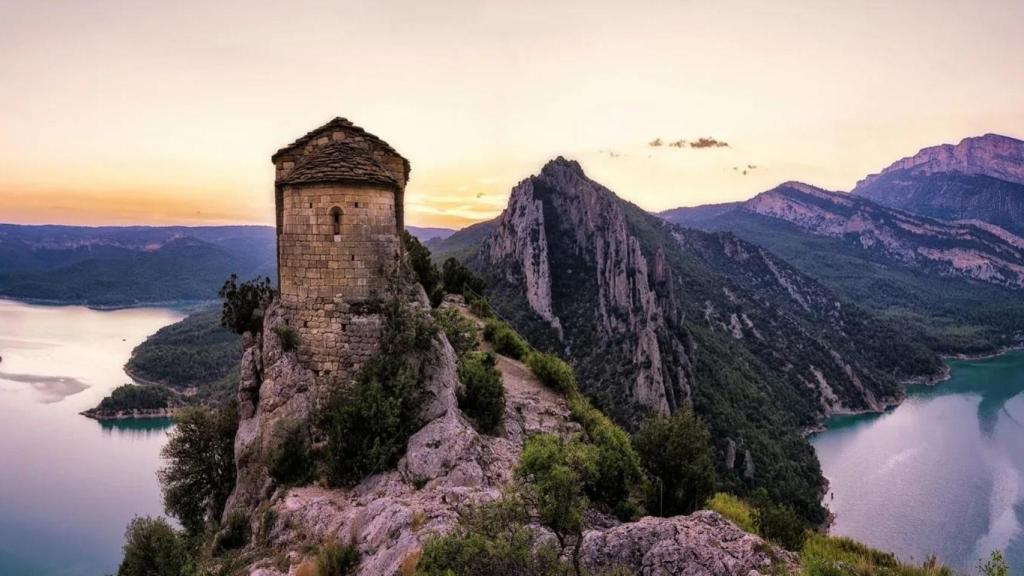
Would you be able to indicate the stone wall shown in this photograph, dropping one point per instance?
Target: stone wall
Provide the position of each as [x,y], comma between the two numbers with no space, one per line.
[332,285]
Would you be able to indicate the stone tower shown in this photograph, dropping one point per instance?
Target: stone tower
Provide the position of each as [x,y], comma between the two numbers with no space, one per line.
[339,193]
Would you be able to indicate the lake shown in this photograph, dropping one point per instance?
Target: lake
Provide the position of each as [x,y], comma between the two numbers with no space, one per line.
[942,473]
[68,484]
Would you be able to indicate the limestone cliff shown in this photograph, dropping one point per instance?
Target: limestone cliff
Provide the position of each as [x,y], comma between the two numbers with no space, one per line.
[981,178]
[656,318]
[448,466]
[985,253]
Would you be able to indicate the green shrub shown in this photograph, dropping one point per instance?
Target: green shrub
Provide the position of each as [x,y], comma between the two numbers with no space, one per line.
[288,336]
[458,279]
[368,424]
[423,266]
[506,341]
[676,453]
[336,559]
[735,510]
[152,548]
[200,471]
[461,332]
[234,533]
[618,476]
[552,371]
[780,524]
[482,395]
[479,305]
[244,303]
[491,539]
[290,462]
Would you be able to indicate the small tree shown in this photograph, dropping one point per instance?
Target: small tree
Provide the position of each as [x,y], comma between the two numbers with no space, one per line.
[457,278]
[152,548]
[244,303]
[676,453]
[995,566]
[200,470]
[553,474]
[423,266]
[482,395]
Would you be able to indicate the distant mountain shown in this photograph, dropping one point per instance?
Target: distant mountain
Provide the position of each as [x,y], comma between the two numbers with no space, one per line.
[427,234]
[959,283]
[696,216]
[980,178]
[121,266]
[655,317]
[461,243]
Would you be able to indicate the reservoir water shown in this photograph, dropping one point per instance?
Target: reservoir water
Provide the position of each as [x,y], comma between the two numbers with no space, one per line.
[941,474]
[68,484]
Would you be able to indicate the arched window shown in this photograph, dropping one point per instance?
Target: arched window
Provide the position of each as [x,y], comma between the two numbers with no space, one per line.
[336,222]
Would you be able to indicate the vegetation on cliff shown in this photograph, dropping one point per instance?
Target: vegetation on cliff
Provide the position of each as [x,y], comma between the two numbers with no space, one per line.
[368,424]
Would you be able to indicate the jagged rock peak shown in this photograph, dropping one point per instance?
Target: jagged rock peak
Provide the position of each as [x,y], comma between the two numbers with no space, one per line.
[992,155]
[560,165]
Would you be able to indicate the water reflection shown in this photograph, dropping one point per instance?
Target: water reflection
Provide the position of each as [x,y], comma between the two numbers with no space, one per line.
[68,484]
[953,451]
[50,388]
[138,428]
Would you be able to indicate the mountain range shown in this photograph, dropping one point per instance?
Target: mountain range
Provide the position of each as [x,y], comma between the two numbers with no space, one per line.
[133,265]
[656,317]
[979,179]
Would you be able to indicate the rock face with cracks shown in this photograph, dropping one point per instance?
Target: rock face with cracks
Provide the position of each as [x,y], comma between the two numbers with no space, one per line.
[448,466]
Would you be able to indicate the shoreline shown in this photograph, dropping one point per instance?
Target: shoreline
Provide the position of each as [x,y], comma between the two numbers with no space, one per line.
[929,381]
[181,304]
[946,375]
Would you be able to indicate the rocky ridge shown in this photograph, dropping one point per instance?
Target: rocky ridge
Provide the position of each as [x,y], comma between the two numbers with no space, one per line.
[980,178]
[448,466]
[984,253]
[992,155]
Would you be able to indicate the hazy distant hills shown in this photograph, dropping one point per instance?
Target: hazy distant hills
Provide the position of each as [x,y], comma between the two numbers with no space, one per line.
[119,266]
[130,265]
[981,178]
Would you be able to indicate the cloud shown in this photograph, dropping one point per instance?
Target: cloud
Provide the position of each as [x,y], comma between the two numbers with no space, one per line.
[708,142]
[702,142]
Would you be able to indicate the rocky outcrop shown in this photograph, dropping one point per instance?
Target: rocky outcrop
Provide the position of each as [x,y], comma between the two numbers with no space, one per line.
[984,253]
[701,544]
[980,178]
[561,205]
[448,465]
[274,392]
[992,155]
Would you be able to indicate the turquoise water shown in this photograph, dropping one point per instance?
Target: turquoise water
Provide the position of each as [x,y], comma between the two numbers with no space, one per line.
[941,474]
[68,484]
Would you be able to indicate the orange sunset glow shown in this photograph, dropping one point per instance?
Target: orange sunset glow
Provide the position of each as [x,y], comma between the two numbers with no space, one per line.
[156,113]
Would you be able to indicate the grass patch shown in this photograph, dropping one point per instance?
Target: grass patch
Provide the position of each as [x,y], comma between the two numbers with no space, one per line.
[733,509]
[552,371]
[506,341]
[461,332]
[835,556]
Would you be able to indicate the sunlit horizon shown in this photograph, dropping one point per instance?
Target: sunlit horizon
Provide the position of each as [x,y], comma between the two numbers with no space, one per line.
[122,114]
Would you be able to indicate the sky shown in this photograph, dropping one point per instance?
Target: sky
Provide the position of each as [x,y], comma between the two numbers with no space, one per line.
[119,112]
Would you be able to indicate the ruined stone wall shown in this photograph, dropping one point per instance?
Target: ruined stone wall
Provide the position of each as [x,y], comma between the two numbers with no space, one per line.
[332,285]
